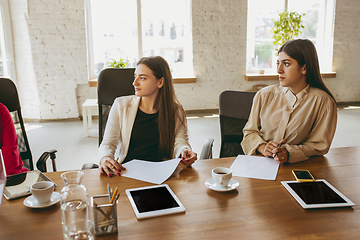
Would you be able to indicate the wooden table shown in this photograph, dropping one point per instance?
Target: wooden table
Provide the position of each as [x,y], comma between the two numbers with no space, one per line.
[258,209]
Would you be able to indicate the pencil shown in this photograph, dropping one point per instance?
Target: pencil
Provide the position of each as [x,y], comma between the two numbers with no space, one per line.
[112,206]
[100,210]
[111,201]
[114,195]
[113,166]
[109,191]
[280,145]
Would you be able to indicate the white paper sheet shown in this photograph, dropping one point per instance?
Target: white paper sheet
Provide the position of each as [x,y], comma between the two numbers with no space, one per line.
[255,167]
[153,172]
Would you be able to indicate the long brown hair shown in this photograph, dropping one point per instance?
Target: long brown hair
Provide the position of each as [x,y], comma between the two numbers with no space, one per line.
[304,52]
[167,105]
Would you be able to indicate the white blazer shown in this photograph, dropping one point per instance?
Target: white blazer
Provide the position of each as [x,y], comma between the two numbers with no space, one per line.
[119,126]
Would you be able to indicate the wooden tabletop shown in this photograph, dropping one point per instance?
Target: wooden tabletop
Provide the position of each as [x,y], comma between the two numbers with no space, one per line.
[258,209]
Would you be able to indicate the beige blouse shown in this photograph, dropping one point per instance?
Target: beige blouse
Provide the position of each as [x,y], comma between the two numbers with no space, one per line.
[306,120]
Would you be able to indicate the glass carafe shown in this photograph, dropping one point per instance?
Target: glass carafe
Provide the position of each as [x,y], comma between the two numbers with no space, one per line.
[75,207]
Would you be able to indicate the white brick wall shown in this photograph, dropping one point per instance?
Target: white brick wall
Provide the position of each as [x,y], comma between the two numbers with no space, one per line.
[26,80]
[346,85]
[219,49]
[53,34]
[219,44]
[50,53]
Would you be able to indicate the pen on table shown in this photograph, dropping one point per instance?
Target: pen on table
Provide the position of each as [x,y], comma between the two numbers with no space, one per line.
[109,191]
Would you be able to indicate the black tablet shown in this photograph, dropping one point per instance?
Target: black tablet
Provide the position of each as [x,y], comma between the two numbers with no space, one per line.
[18,185]
[154,201]
[316,194]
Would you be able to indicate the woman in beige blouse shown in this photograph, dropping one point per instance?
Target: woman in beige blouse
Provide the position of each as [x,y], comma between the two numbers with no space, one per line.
[296,119]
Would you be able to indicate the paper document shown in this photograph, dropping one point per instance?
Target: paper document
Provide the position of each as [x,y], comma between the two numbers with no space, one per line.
[255,167]
[153,172]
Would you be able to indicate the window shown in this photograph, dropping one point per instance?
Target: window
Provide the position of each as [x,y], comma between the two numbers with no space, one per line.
[138,28]
[318,22]
[149,29]
[7,68]
[162,28]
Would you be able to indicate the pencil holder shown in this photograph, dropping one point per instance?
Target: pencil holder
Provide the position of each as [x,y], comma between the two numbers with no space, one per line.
[105,215]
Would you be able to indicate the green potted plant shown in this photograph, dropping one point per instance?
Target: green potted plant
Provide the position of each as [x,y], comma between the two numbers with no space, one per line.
[118,64]
[287,27]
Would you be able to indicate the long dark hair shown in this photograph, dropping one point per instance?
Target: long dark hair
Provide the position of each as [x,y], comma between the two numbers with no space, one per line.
[304,52]
[167,105]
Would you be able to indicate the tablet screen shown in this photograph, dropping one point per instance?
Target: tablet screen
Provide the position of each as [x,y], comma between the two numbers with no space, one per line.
[153,199]
[316,193]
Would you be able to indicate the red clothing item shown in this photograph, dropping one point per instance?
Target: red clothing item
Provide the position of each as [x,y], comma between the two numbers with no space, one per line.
[9,143]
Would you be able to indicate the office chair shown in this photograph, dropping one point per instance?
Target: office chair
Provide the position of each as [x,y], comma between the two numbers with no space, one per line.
[234,111]
[10,98]
[206,152]
[112,83]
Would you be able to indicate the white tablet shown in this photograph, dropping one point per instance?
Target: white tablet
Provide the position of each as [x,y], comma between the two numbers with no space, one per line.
[19,185]
[154,201]
[316,194]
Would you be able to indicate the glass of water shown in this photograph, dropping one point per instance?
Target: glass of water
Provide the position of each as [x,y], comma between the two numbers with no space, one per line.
[81,230]
[75,208]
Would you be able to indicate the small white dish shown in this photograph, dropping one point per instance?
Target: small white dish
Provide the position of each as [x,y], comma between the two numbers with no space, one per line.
[31,202]
[233,184]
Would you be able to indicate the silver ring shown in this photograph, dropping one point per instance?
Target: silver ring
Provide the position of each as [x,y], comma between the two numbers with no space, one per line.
[282,158]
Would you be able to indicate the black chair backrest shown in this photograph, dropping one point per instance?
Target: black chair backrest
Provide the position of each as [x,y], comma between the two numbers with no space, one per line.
[234,111]
[112,83]
[10,98]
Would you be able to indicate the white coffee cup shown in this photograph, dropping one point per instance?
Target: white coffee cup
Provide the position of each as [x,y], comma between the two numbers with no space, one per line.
[42,191]
[221,176]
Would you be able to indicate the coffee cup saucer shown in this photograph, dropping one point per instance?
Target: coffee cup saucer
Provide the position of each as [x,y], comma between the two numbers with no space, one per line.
[233,184]
[31,202]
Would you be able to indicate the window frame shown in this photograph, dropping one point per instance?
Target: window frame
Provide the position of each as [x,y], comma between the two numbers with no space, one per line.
[89,42]
[326,44]
[9,49]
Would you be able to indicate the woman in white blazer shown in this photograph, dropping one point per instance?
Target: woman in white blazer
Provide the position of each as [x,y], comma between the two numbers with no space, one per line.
[150,125]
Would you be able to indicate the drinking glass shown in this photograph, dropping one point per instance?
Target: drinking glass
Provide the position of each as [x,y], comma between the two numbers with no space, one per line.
[75,207]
